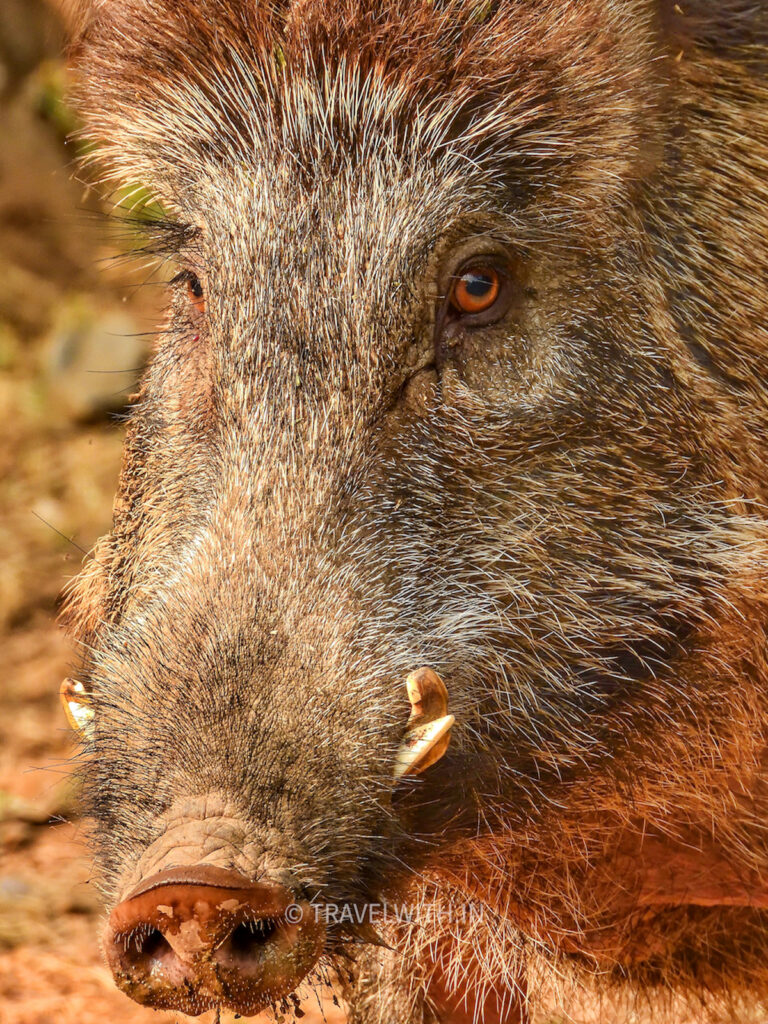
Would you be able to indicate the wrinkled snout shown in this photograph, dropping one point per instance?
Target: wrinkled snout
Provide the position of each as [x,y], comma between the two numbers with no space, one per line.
[191,939]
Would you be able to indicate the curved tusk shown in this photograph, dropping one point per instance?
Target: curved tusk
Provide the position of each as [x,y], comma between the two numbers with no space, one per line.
[423,746]
[428,731]
[77,707]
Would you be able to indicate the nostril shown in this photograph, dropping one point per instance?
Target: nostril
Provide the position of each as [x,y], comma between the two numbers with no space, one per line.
[147,946]
[250,937]
[155,945]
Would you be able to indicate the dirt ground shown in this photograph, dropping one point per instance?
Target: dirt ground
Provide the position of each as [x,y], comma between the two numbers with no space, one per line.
[75,326]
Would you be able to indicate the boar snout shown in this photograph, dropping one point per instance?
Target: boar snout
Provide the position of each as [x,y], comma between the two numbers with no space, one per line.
[194,938]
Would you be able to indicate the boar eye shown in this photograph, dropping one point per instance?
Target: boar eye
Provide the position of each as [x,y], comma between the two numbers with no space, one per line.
[480,293]
[195,292]
[193,287]
[475,290]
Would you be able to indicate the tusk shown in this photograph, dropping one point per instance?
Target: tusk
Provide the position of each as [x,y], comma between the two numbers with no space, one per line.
[77,708]
[428,731]
[423,746]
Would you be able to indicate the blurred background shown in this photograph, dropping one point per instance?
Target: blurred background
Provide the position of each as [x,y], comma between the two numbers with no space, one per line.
[74,331]
[76,324]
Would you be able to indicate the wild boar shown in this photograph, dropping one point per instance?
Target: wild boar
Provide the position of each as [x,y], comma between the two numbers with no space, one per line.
[462,383]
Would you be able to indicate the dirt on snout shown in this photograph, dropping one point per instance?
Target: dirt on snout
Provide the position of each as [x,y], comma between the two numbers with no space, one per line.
[75,326]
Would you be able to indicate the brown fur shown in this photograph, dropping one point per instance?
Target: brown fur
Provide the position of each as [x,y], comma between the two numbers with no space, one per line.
[562,513]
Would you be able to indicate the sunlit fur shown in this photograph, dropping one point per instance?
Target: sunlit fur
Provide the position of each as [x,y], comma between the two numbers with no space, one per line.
[562,514]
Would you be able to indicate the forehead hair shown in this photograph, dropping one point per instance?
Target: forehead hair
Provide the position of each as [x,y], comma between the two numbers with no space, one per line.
[174,88]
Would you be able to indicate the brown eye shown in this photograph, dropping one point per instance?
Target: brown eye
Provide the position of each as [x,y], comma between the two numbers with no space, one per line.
[475,290]
[195,293]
